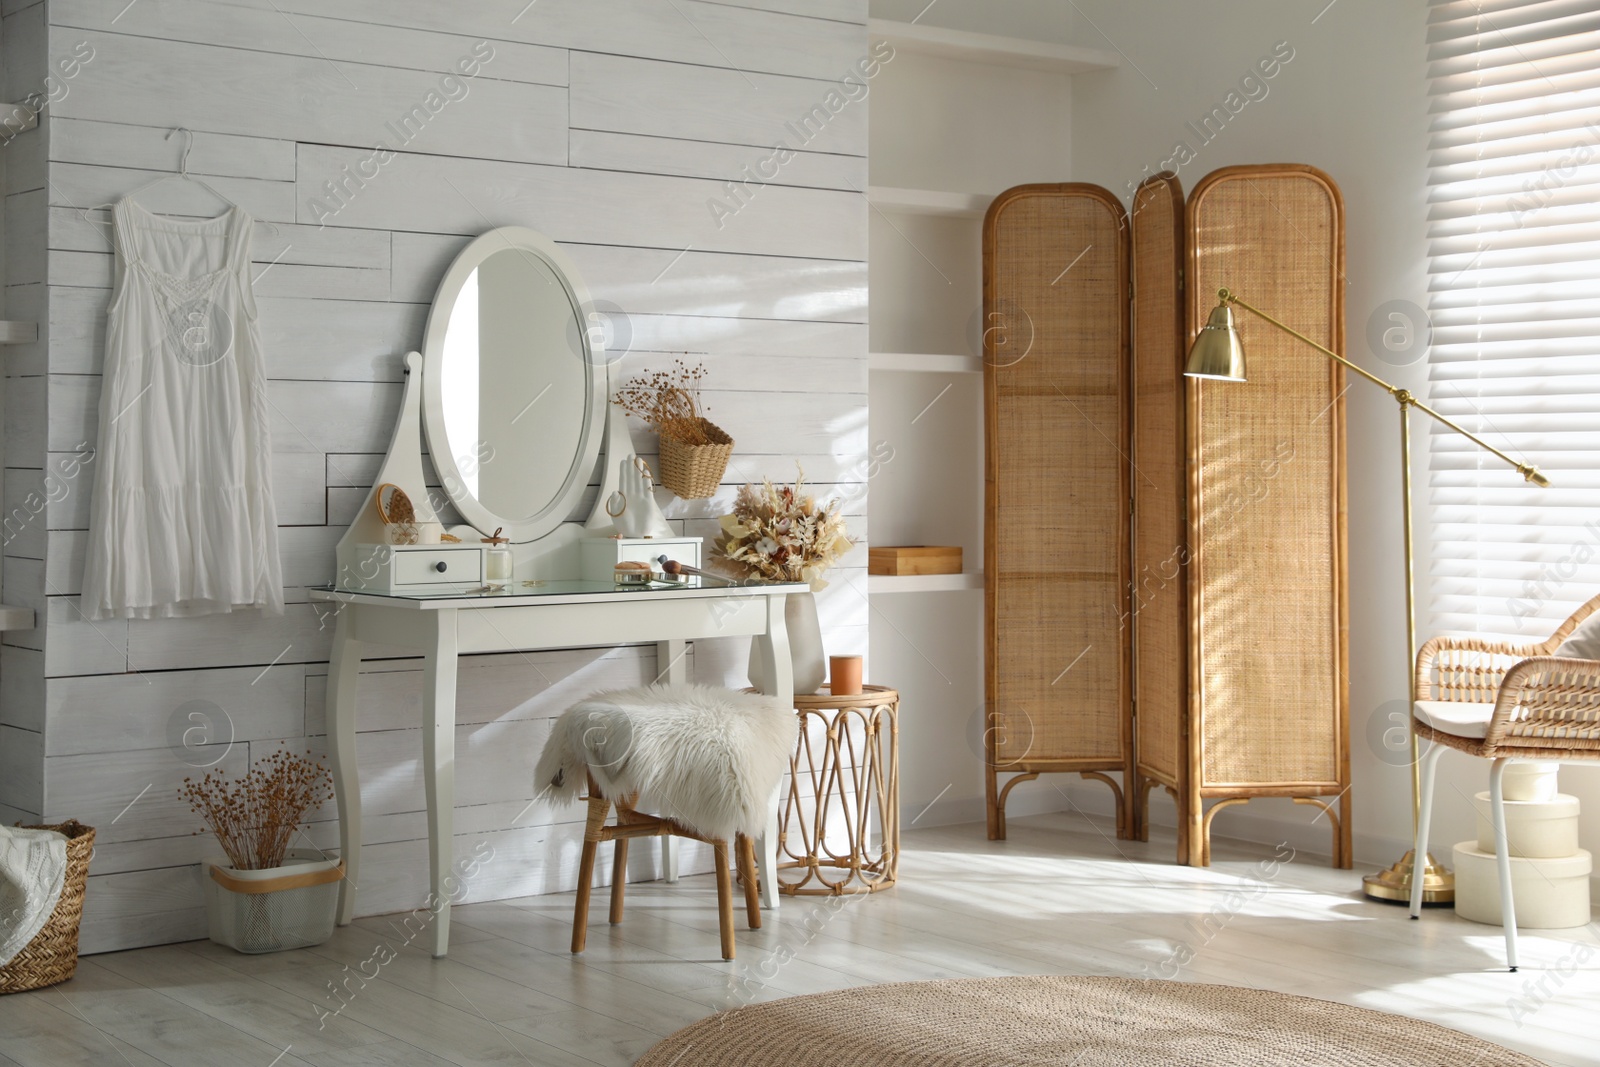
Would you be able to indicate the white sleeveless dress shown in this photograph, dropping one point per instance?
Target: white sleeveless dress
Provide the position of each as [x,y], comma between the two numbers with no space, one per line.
[182,521]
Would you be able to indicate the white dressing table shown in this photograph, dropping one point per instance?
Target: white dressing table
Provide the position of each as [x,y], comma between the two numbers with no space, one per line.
[557,614]
[512,387]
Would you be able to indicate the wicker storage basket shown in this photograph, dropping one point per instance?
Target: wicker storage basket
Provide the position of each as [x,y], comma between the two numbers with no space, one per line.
[52,955]
[694,472]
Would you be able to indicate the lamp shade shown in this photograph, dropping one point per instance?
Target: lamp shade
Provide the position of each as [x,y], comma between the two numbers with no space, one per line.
[1217,352]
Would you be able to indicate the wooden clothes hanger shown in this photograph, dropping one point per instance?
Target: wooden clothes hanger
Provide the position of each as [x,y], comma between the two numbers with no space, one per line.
[182,175]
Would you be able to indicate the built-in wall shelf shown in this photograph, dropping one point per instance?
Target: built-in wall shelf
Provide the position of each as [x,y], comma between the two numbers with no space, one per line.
[923,583]
[929,202]
[987,48]
[14,118]
[18,333]
[12,618]
[921,361]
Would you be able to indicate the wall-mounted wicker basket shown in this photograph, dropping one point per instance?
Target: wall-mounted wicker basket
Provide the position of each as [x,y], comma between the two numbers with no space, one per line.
[694,472]
[52,955]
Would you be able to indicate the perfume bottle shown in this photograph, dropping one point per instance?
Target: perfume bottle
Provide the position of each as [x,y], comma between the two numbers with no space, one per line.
[500,561]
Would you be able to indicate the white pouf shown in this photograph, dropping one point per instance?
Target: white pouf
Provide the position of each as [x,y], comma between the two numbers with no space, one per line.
[1550,894]
[1538,829]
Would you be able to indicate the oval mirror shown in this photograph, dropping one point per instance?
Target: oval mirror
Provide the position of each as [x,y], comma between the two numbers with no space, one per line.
[514,390]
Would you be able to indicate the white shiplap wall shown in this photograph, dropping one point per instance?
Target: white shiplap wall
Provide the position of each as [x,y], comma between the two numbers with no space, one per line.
[607,124]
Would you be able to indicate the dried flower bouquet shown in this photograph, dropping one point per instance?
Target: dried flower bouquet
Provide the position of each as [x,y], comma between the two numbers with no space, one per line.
[781,533]
[255,816]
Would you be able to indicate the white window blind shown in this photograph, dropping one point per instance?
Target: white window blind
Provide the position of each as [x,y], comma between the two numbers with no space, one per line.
[1514,297]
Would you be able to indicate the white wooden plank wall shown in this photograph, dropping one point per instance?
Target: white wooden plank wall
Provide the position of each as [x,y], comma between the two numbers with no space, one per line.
[610,127]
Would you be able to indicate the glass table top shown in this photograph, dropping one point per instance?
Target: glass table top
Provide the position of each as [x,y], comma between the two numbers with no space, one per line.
[557,587]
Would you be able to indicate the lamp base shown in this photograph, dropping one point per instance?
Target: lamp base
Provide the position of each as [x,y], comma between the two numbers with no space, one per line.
[1394,885]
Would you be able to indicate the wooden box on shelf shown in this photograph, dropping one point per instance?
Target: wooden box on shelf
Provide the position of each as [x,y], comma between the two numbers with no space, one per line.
[914,559]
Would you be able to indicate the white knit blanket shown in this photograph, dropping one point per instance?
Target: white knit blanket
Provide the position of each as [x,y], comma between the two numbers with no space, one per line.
[707,757]
[33,866]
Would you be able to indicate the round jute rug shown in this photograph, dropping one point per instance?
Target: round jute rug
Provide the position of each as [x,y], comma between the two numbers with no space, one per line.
[1066,1022]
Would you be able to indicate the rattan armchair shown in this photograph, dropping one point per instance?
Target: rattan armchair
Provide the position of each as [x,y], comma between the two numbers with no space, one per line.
[1501,701]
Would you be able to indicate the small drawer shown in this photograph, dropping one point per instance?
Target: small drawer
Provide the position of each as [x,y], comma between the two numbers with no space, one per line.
[650,551]
[599,555]
[438,566]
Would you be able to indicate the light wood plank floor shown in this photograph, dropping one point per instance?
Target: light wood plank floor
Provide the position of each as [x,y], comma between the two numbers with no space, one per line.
[1062,896]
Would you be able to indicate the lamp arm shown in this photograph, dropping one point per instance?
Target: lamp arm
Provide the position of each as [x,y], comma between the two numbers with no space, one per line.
[1403,396]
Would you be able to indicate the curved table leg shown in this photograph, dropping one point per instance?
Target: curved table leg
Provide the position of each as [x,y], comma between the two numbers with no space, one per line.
[439,769]
[671,669]
[774,649]
[344,669]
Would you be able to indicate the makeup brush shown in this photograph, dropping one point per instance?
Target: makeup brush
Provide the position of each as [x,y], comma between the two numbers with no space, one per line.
[672,566]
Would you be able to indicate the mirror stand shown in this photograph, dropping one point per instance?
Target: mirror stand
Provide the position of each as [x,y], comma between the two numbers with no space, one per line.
[616,444]
[401,467]
[555,555]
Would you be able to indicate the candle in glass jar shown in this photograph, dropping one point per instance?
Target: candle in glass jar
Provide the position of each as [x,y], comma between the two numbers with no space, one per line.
[501,562]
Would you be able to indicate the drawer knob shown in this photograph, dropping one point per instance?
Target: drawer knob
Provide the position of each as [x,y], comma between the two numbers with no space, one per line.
[441,566]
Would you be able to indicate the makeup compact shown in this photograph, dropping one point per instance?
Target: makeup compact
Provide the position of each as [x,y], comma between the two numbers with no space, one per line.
[632,572]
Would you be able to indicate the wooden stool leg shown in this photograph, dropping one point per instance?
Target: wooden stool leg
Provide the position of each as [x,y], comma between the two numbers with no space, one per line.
[724,896]
[598,809]
[747,872]
[580,911]
[619,877]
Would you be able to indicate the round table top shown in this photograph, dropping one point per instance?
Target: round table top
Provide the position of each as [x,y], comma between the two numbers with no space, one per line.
[871,696]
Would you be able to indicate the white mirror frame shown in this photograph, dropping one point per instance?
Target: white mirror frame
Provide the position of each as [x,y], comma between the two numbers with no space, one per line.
[519,530]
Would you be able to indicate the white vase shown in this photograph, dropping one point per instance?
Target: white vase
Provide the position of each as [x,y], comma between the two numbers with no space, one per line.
[805,646]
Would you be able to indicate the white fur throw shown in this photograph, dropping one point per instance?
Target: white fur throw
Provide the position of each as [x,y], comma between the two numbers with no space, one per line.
[704,756]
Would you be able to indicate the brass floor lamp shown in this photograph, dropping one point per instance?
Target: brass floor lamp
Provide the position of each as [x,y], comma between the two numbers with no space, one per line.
[1217,354]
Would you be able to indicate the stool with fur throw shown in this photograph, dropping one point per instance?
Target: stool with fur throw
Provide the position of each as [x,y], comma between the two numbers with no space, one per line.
[708,759]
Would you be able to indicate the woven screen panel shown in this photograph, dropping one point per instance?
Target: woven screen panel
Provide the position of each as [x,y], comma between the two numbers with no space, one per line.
[1056,431]
[1266,483]
[1160,533]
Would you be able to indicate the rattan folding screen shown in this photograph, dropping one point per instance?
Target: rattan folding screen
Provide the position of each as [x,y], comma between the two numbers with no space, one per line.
[1217,662]
[1159,611]
[1056,537]
[1267,595]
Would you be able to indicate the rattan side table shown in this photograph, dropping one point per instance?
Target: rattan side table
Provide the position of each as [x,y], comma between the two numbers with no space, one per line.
[849,757]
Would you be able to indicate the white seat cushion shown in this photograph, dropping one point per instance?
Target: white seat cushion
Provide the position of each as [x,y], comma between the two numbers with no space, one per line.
[1584,642]
[707,757]
[1456,717]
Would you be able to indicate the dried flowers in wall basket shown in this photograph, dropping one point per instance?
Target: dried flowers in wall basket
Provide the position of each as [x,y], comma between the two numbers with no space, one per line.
[694,450]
